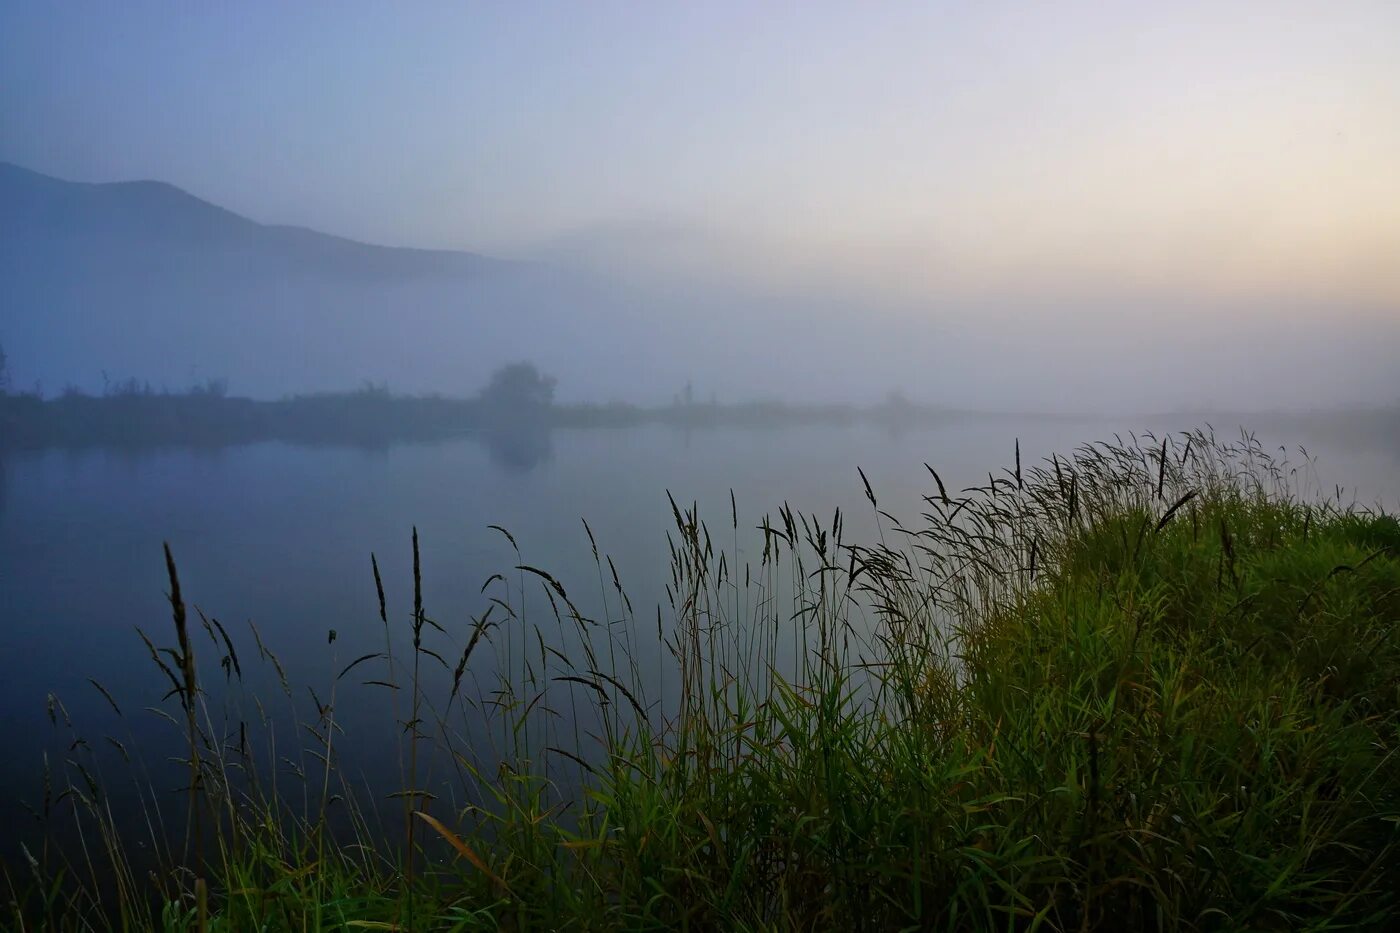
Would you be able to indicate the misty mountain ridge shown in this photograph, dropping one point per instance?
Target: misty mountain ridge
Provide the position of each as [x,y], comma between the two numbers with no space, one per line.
[142,279]
[40,206]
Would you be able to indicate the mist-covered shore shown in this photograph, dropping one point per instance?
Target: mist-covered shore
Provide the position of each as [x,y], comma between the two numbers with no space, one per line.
[520,400]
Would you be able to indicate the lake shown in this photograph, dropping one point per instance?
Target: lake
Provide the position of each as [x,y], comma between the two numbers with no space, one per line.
[281,535]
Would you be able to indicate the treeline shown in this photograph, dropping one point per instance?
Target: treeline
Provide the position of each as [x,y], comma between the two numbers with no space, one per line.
[133,413]
[517,399]
[196,419]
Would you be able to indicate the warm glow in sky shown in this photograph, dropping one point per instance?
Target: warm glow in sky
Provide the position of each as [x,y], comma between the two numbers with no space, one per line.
[1243,150]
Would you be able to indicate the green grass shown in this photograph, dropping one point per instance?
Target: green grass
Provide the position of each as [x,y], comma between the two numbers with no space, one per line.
[1144,687]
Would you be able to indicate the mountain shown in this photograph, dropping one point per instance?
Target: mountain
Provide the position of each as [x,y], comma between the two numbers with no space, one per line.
[140,279]
[105,282]
[37,206]
[143,279]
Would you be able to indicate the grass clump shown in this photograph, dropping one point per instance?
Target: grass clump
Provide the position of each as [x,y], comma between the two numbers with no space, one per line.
[1143,687]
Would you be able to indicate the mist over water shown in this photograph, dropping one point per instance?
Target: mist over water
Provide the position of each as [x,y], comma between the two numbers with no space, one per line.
[112,282]
[1089,210]
[293,290]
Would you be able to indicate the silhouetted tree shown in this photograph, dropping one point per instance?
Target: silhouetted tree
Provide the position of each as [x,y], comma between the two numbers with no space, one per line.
[210,389]
[518,388]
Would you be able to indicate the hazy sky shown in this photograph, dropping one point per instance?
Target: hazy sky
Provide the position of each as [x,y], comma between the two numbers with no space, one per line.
[1236,149]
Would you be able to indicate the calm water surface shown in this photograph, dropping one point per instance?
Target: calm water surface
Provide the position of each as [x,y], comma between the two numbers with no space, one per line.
[282,535]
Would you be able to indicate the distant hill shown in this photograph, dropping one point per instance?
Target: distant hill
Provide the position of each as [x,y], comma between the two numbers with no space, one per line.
[104,282]
[144,279]
[39,206]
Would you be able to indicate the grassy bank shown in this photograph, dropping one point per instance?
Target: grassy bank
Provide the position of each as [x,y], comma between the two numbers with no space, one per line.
[1145,686]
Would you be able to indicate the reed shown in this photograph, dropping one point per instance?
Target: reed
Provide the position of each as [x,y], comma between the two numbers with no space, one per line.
[1147,685]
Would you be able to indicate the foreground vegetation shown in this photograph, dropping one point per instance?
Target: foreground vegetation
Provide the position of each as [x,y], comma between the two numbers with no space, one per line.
[1147,686]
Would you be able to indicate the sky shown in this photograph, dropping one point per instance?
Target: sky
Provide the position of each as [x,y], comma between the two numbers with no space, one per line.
[1209,149]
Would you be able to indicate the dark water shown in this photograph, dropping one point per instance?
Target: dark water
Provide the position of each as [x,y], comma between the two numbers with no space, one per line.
[282,535]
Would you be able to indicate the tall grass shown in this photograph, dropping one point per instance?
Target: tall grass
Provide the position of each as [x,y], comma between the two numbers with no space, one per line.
[1144,686]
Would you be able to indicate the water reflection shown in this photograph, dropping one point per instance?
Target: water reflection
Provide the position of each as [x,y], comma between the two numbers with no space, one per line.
[518,448]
